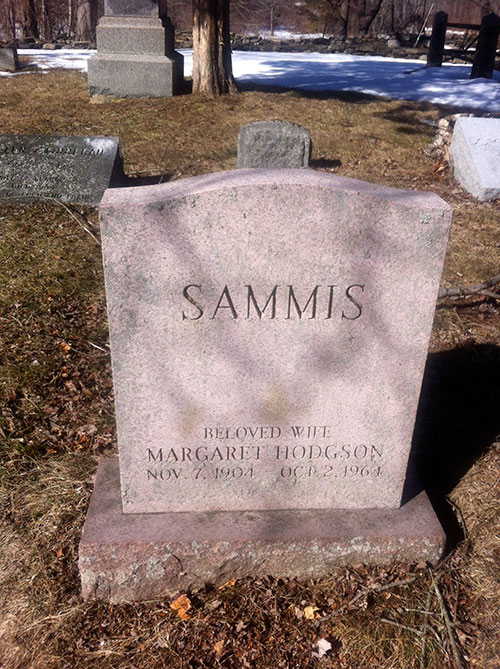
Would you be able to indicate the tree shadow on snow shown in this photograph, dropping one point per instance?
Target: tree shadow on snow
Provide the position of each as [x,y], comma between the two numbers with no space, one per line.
[450,87]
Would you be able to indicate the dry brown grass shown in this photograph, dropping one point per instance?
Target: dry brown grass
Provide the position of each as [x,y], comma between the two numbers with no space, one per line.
[56,413]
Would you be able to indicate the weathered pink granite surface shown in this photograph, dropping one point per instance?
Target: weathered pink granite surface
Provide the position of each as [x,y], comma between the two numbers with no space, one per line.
[126,557]
[269,330]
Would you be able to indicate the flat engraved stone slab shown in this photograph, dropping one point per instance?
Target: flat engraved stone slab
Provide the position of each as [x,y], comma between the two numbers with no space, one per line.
[69,169]
[475,156]
[269,331]
[130,557]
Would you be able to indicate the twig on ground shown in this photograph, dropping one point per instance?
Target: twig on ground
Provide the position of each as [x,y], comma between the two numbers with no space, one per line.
[366,591]
[100,348]
[461,518]
[76,219]
[53,199]
[381,588]
[447,621]
[425,629]
[480,289]
[489,293]
[415,630]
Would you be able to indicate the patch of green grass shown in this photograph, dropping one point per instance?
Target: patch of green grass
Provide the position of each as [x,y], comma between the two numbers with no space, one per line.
[51,307]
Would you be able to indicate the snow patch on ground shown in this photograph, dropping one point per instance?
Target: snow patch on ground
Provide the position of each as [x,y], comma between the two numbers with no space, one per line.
[287,35]
[395,78]
[68,59]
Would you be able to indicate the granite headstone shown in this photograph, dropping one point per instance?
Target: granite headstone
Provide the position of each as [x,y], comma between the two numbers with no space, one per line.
[475,156]
[9,61]
[269,144]
[269,331]
[135,52]
[259,325]
[131,8]
[69,169]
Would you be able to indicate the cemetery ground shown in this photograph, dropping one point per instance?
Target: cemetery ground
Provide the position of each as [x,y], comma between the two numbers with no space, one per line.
[57,414]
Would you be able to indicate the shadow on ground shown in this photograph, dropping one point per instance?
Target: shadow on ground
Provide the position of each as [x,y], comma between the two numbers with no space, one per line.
[342,96]
[354,97]
[133,182]
[325,163]
[457,420]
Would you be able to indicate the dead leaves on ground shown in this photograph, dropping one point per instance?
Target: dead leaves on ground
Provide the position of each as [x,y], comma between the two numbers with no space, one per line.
[182,605]
[331,619]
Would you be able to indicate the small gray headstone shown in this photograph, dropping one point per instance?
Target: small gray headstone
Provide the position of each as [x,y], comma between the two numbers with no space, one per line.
[475,156]
[8,59]
[273,144]
[69,169]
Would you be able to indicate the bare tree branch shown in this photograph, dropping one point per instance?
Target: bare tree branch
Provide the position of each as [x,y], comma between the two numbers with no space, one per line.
[480,289]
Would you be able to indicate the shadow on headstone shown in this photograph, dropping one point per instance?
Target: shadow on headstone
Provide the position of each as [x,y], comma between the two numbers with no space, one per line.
[267,364]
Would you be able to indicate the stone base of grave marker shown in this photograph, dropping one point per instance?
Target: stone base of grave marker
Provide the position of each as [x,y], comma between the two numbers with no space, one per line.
[132,557]
[131,60]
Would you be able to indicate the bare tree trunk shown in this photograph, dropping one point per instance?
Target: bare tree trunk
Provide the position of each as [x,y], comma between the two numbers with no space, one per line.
[344,18]
[212,67]
[43,21]
[355,11]
[85,20]
[31,21]
[11,8]
[370,14]
[70,17]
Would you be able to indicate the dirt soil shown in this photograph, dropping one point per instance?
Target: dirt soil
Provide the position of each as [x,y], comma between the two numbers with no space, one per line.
[57,415]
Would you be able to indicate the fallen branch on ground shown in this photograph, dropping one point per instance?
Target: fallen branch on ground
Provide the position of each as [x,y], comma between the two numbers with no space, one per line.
[381,588]
[53,199]
[76,219]
[367,591]
[415,630]
[480,289]
[448,624]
